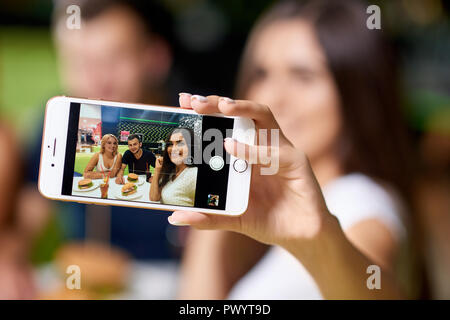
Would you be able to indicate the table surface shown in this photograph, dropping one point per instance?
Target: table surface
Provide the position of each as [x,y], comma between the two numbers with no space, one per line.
[114,189]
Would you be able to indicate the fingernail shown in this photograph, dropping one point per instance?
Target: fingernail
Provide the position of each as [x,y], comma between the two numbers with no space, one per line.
[184,94]
[199,98]
[177,223]
[229,140]
[227,100]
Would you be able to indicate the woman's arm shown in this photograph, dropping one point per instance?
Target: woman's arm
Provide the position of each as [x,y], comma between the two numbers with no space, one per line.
[213,261]
[10,174]
[119,178]
[338,267]
[155,190]
[15,273]
[292,213]
[336,260]
[89,170]
[117,166]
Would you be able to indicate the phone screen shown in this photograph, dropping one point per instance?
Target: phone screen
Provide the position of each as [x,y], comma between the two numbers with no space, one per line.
[161,157]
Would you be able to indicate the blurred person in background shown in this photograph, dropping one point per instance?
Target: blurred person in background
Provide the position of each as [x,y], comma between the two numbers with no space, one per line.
[331,84]
[122,52]
[15,271]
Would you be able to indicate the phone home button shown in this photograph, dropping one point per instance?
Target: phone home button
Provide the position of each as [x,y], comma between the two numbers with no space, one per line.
[240,165]
[216,163]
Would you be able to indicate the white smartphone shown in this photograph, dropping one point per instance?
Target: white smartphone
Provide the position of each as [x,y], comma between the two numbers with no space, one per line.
[170,158]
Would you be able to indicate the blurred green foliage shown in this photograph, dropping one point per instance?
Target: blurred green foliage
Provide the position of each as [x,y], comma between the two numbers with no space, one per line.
[429,111]
[28,75]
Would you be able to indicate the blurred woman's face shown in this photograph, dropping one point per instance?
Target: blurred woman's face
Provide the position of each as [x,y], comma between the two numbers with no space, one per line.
[177,149]
[111,145]
[292,78]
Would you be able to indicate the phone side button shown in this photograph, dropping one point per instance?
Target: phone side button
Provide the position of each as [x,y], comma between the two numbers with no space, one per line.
[240,165]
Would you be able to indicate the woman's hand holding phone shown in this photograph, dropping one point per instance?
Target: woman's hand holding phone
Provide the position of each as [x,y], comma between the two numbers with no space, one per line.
[286,206]
[158,164]
[158,167]
[288,209]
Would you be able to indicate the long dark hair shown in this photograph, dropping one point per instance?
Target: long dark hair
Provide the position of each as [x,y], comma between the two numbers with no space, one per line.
[168,167]
[374,140]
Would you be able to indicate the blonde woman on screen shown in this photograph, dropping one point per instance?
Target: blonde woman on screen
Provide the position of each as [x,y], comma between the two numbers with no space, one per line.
[107,161]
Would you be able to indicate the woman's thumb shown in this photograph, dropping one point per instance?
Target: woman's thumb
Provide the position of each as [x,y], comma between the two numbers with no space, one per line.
[204,221]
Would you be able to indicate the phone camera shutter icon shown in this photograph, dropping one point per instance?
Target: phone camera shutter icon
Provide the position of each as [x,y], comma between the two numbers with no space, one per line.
[189,160]
[216,163]
[240,165]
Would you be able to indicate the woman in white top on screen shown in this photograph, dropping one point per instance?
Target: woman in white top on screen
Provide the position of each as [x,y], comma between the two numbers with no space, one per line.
[329,83]
[174,180]
[107,161]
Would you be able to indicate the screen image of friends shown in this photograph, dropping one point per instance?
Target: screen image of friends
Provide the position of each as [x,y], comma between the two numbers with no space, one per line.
[142,155]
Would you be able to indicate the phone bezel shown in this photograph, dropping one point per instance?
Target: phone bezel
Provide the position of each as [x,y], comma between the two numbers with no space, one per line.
[52,160]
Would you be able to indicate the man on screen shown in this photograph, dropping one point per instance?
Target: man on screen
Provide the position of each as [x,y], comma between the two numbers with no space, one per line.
[137,159]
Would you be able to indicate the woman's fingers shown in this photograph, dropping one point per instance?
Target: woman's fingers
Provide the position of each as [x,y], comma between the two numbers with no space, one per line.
[205,105]
[204,221]
[229,107]
[201,104]
[185,100]
[260,113]
[284,160]
[263,155]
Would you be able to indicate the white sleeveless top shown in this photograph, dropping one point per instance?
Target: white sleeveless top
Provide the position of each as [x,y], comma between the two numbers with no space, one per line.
[181,191]
[101,165]
[352,199]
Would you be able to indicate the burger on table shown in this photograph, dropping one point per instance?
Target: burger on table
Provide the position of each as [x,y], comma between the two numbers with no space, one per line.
[133,177]
[129,189]
[85,184]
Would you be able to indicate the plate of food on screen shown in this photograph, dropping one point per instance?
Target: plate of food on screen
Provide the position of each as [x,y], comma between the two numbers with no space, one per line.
[134,178]
[129,192]
[85,185]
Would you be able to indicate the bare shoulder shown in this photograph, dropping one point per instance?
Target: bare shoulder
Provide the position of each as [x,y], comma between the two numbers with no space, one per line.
[94,159]
[191,173]
[193,170]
